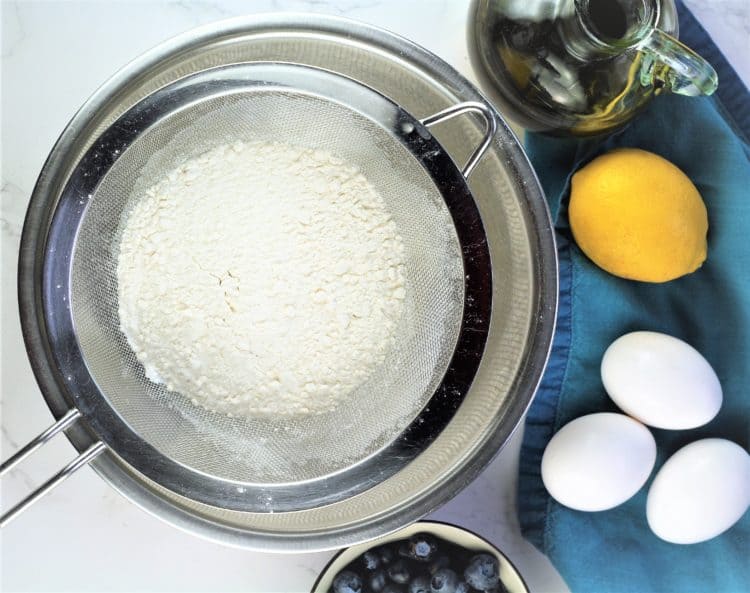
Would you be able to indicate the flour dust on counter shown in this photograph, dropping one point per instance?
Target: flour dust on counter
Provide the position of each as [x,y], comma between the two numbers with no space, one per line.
[261,278]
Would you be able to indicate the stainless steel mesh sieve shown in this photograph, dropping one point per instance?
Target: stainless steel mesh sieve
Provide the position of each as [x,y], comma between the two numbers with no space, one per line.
[269,464]
[497,359]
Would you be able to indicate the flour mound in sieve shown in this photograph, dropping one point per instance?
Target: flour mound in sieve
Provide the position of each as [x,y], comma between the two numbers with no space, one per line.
[261,279]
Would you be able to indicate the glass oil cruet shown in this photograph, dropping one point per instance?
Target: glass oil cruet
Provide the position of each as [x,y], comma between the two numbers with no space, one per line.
[581,67]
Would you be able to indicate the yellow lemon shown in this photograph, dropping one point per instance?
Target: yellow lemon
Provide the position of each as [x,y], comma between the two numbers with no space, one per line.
[638,216]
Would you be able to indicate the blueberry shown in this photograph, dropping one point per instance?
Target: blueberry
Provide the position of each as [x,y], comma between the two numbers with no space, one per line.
[499,588]
[399,572]
[420,584]
[386,555]
[423,549]
[483,572]
[438,563]
[377,581]
[371,559]
[463,587]
[347,582]
[419,547]
[444,581]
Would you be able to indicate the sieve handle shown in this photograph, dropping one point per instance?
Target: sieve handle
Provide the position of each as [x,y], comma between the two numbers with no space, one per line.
[490,127]
[84,458]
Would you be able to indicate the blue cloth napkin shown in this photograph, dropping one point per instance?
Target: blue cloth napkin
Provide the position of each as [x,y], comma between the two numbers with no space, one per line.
[615,551]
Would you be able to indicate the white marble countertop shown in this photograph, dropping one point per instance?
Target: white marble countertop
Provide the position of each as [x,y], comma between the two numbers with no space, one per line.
[84,536]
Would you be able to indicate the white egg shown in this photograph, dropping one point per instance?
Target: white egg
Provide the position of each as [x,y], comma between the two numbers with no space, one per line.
[700,492]
[598,461]
[661,381]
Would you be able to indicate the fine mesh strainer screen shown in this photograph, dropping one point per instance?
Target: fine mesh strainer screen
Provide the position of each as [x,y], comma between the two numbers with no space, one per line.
[267,451]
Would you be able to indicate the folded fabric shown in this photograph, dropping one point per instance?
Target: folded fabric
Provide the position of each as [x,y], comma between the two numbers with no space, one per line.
[615,551]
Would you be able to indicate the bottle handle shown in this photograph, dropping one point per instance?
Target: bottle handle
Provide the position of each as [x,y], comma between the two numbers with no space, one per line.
[688,73]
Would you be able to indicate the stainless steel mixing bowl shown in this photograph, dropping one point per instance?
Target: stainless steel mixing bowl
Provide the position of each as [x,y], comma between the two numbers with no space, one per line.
[520,241]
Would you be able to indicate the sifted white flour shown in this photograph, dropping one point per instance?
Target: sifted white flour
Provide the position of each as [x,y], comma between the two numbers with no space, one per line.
[261,278]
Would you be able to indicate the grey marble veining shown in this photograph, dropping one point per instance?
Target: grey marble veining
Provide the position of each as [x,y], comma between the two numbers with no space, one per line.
[728,23]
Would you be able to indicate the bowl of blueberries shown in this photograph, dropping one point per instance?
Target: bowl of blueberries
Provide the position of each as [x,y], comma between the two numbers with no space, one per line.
[425,557]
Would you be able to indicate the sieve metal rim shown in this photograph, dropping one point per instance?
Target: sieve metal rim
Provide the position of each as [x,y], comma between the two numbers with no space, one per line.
[306,30]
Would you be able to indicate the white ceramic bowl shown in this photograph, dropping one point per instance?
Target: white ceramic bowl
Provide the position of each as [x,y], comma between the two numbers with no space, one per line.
[509,576]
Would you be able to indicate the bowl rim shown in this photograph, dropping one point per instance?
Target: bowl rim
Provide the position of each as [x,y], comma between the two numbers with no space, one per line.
[429,523]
